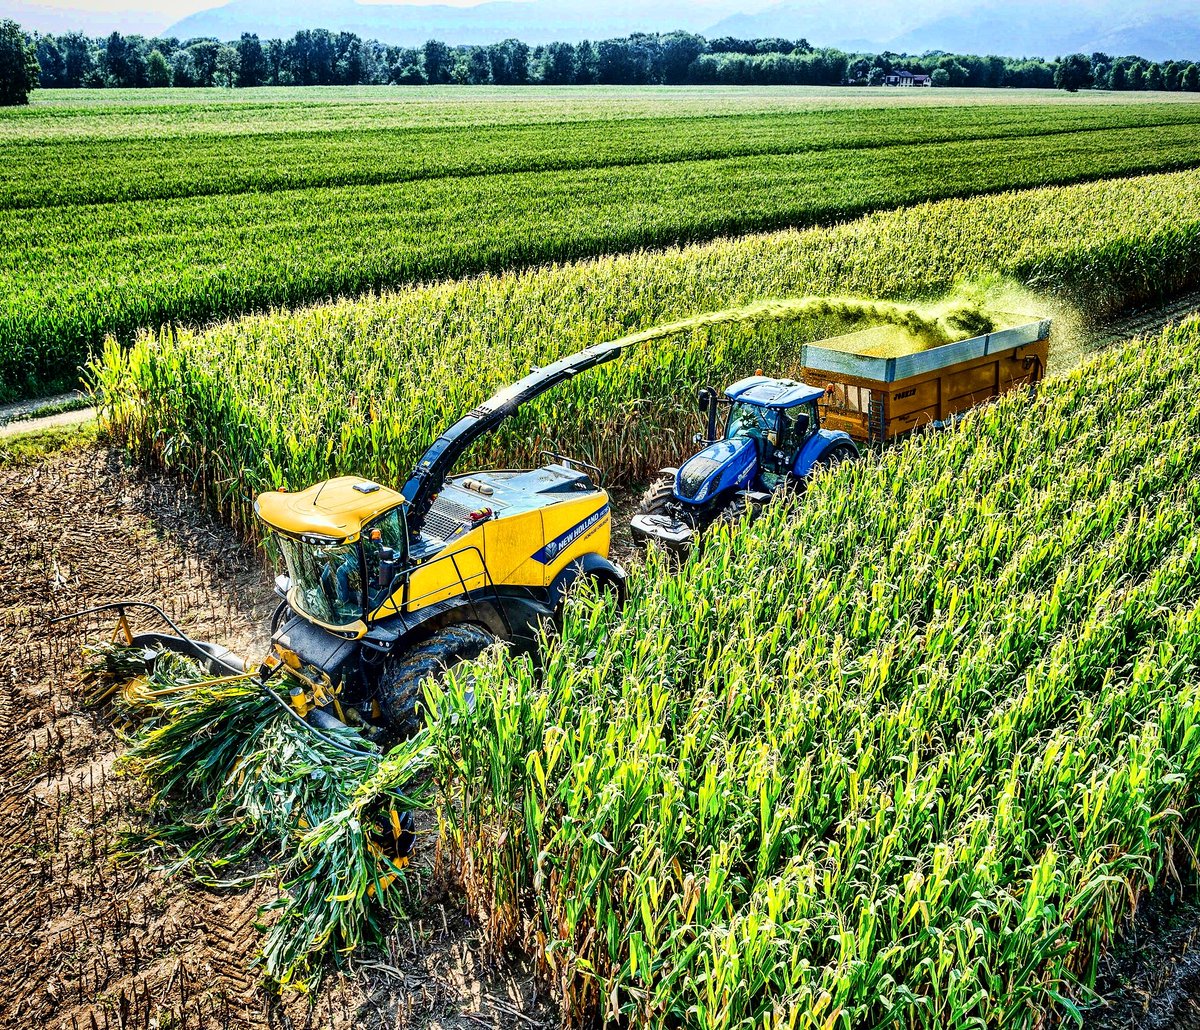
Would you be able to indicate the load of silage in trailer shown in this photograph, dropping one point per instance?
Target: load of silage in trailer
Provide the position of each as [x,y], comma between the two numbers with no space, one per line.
[367,384]
[905,754]
[237,781]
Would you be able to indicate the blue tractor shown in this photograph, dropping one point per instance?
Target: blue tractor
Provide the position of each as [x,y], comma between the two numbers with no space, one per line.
[773,441]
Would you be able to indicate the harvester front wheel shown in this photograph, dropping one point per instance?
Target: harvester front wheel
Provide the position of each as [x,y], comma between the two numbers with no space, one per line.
[403,675]
[281,614]
[659,494]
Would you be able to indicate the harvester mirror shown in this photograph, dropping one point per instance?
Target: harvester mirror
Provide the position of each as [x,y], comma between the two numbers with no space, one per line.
[387,567]
[801,425]
[705,398]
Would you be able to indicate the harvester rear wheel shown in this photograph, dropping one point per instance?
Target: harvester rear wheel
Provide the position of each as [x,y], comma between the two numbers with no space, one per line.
[659,494]
[403,676]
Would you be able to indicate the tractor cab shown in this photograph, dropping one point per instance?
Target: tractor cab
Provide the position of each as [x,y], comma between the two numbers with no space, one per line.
[779,415]
[772,439]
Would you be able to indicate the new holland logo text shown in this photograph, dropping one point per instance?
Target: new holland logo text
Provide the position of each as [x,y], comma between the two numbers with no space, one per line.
[555,547]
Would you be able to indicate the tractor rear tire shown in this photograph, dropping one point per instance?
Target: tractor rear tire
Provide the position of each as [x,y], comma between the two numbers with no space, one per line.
[833,458]
[404,675]
[659,494]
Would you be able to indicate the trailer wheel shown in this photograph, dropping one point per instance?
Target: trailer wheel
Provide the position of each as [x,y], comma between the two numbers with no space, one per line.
[659,494]
[403,675]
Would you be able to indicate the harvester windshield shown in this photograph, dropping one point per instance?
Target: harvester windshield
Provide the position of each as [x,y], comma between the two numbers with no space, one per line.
[327,575]
[326,580]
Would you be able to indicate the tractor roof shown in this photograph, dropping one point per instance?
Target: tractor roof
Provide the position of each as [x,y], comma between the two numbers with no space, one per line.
[772,393]
[337,508]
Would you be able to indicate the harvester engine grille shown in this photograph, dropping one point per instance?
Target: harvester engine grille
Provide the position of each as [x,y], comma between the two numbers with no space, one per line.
[445,518]
[695,474]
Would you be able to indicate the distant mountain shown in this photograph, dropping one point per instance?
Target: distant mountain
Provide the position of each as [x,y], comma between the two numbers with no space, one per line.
[1166,39]
[534,21]
[852,24]
[1156,29]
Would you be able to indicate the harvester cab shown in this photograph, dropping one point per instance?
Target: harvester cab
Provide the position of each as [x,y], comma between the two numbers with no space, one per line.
[772,440]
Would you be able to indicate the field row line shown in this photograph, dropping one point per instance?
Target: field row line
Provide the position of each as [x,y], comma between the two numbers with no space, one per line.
[161,187]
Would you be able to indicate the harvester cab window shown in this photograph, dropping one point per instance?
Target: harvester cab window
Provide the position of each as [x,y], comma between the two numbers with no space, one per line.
[383,541]
[327,579]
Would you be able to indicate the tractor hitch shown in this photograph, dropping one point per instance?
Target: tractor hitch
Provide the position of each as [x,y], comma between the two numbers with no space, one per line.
[662,529]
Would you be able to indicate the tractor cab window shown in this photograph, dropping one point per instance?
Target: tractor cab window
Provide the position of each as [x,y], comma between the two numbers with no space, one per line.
[752,420]
[327,580]
[804,420]
[383,542]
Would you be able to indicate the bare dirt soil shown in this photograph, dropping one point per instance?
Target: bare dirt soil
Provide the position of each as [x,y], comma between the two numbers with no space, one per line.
[93,939]
[89,939]
[1151,981]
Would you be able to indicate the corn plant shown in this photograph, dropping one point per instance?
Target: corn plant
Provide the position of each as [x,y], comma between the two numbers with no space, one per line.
[71,274]
[362,387]
[233,777]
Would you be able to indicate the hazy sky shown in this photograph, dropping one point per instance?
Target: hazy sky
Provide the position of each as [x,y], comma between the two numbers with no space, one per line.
[173,10]
[149,17]
[146,16]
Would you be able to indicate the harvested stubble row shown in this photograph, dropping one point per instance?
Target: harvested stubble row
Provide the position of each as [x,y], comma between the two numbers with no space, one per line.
[362,387]
[903,756]
[116,268]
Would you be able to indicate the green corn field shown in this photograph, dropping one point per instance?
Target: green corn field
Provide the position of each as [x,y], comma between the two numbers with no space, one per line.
[207,243]
[905,755]
[289,398]
[911,749]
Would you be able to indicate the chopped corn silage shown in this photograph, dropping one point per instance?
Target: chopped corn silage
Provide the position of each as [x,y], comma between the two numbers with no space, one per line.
[235,778]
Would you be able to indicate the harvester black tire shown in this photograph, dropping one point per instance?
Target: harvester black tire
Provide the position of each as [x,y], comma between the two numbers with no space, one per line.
[659,494]
[404,675]
[602,582]
[278,617]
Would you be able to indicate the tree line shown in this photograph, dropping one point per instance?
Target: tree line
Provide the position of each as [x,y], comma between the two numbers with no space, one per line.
[318,57]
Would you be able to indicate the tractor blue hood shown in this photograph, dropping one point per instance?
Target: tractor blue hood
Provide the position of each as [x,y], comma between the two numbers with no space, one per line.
[720,466]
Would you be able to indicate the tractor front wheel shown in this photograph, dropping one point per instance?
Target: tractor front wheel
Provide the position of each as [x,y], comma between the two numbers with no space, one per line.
[734,512]
[659,494]
[404,675]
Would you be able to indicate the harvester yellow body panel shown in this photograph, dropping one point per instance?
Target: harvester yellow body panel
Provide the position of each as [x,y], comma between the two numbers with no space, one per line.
[526,545]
